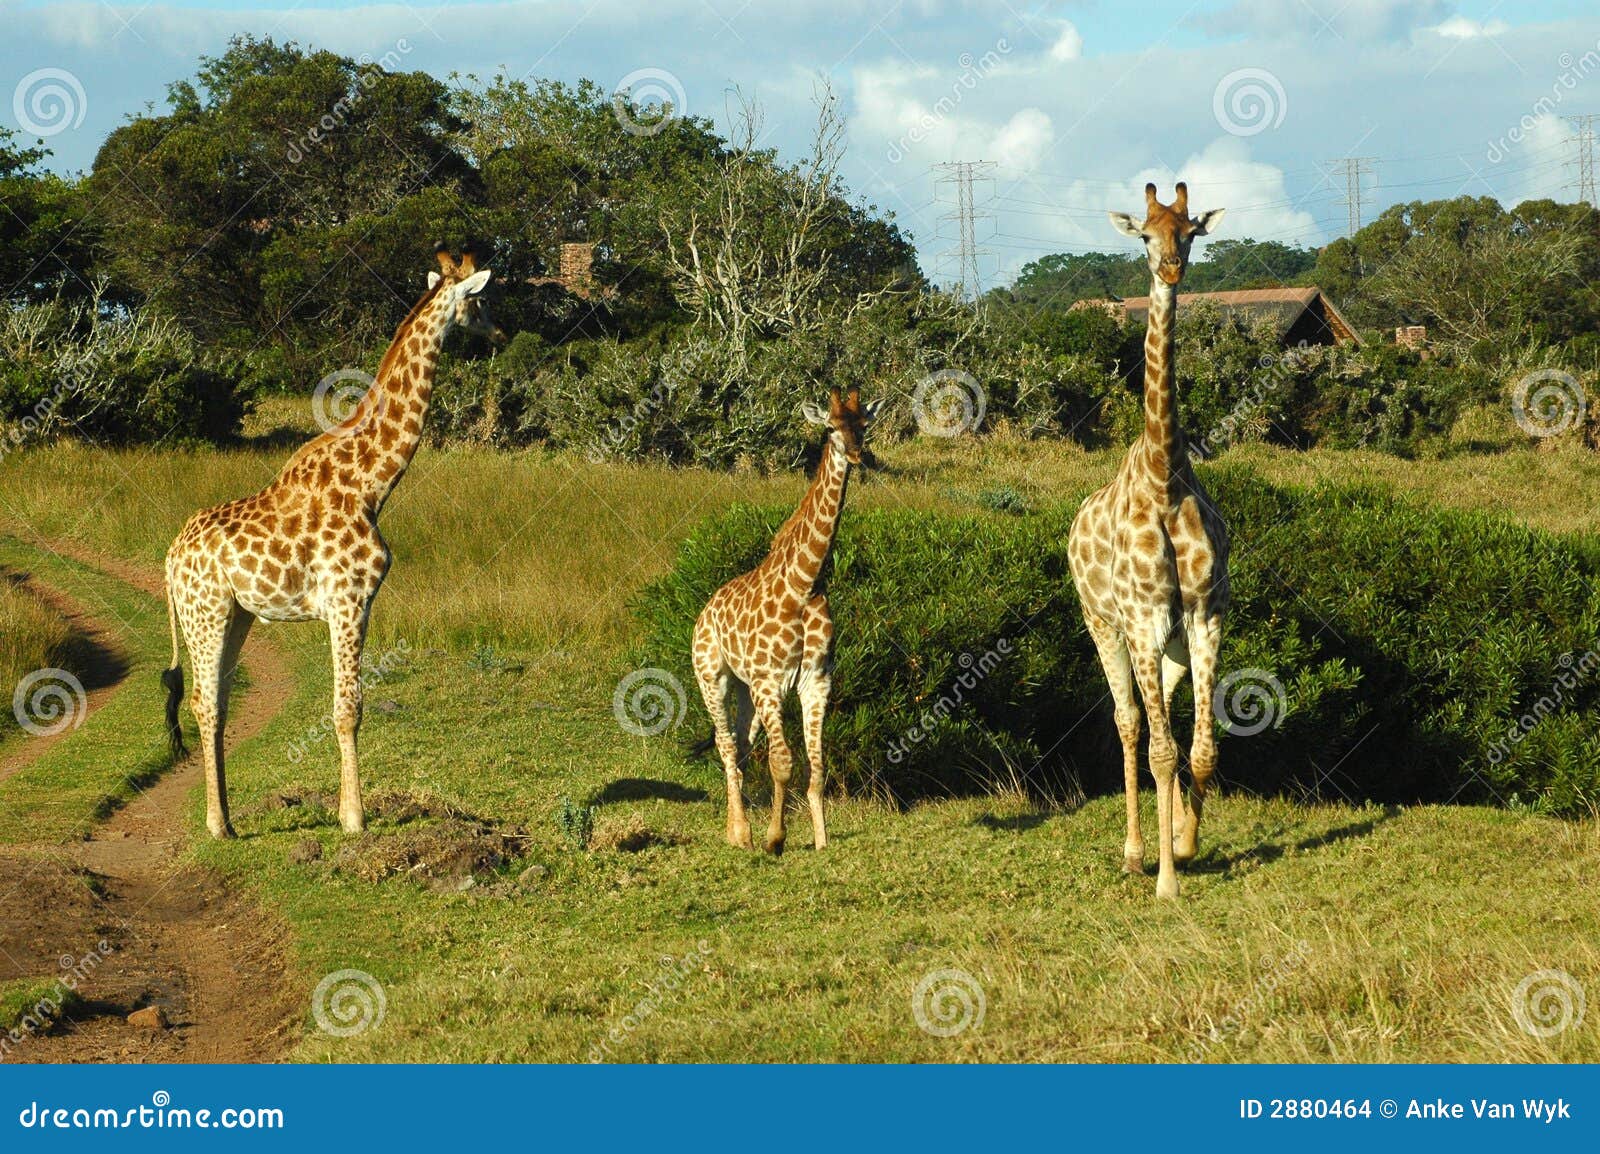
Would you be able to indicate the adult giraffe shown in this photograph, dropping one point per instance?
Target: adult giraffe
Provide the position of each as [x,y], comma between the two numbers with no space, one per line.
[1149,556]
[307,547]
[768,631]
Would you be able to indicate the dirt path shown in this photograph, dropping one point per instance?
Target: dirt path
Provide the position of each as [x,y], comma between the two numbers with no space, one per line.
[157,931]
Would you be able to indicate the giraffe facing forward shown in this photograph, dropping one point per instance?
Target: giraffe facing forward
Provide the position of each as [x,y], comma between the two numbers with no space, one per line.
[307,547]
[1149,556]
[768,631]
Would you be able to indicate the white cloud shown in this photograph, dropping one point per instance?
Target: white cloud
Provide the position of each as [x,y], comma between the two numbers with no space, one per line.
[1068,43]
[1465,28]
[1023,140]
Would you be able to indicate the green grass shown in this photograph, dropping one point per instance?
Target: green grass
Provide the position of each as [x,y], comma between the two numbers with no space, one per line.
[34,1002]
[1418,924]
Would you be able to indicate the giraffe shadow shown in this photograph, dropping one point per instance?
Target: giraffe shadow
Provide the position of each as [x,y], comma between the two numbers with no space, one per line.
[645,789]
[1215,862]
[1017,823]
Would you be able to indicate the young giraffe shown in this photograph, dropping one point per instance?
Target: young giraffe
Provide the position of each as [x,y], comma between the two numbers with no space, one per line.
[1149,555]
[307,547]
[769,631]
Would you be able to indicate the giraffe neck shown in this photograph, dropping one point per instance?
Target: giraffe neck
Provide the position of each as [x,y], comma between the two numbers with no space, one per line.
[1163,435]
[803,544]
[387,425]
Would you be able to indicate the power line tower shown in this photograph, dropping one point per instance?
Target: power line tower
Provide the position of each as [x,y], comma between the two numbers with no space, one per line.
[1583,133]
[962,174]
[1353,168]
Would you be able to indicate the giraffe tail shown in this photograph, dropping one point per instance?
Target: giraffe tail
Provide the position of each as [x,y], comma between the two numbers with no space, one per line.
[172,678]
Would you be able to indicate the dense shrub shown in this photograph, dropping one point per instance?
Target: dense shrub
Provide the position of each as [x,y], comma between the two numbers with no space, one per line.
[112,377]
[1238,384]
[1400,653]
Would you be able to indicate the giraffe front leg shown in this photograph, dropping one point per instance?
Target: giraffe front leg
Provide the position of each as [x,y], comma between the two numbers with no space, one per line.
[715,679]
[1118,668]
[347,630]
[769,708]
[816,682]
[1163,764]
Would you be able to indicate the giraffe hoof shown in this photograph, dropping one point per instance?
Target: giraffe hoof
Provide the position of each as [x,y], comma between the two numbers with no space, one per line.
[1184,854]
[353,825]
[224,833]
[739,838]
[1133,863]
[774,846]
[1167,887]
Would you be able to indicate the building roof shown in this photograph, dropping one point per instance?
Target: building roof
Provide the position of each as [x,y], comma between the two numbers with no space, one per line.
[1283,305]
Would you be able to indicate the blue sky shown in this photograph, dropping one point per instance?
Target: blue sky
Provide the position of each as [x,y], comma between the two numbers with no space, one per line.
[1078,104]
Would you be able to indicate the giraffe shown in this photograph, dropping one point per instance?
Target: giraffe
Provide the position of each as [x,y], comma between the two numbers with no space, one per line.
[768,631]
[307,547]
[1149,557]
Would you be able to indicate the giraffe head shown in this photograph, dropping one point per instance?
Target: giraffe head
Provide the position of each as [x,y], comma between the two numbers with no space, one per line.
[1167,231]
[463,284]
[846,420]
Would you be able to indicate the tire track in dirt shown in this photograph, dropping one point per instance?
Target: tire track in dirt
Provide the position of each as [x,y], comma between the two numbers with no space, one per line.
[177,936]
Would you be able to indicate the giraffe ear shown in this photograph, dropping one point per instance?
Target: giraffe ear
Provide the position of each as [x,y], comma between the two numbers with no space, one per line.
[1207,221]
[473,285]
[1126,225]
[433,279]
[814,413]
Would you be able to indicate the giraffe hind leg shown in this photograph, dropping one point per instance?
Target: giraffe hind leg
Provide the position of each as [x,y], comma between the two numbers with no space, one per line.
[208,624]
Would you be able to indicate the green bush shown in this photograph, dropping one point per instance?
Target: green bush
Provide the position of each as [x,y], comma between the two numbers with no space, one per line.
[112,377]
[1383,650]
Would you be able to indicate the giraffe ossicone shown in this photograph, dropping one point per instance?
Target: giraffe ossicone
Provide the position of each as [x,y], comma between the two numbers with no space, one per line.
[1149,557]
[307,547]
[768,632]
